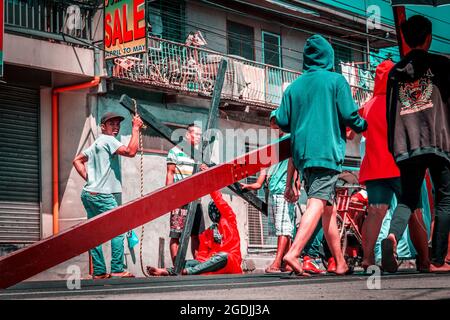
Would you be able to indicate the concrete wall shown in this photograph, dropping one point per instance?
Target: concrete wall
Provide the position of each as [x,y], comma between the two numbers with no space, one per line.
[213,24]
[48,55]
[79,126]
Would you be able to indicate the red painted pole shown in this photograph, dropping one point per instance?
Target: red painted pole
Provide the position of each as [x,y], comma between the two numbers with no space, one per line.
[399,18]
[42,255]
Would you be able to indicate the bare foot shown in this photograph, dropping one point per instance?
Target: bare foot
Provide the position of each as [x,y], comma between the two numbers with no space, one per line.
[273,268]
[444,268]
[288,268]
[341,269]
[157,272]
[366,263]
[293,262]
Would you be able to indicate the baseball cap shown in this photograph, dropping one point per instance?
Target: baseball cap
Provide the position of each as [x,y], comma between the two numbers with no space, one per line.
[110,115]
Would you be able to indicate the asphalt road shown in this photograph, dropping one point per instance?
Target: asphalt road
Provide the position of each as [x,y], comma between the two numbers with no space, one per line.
[401,286]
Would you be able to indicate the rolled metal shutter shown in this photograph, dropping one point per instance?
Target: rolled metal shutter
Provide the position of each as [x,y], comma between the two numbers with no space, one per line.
[19,165]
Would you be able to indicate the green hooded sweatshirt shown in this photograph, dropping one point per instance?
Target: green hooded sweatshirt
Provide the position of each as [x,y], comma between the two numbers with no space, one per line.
[316,108]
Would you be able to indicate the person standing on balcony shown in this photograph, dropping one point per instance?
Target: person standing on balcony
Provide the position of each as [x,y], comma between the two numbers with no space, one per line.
[180,165]
[381,176]
[316,109]
[418,123]
[99,166]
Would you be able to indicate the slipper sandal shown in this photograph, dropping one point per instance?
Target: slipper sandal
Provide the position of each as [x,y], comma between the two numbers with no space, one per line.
[388,257]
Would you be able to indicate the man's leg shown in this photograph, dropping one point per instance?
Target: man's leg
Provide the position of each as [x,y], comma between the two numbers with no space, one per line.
[215,263]
[94,206]
[331,233]
[284,216]
[308,224]
[370,231]
[197,228]
[177,220]
[440,174]
[320,185]
[173,245]
[380,195]
[447,258]
[117,246]
[419,238]
[195,243]
[117,252]
[412,173]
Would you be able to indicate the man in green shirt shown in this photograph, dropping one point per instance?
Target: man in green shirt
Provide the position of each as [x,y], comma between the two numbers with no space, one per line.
[99,166]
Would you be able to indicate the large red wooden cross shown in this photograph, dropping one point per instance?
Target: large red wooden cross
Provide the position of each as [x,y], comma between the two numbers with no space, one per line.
[47,253]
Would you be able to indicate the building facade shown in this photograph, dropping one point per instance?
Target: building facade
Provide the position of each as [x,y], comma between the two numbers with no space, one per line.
[50,46]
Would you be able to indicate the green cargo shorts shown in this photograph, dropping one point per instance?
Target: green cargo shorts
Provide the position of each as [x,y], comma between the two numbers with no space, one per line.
[320,183]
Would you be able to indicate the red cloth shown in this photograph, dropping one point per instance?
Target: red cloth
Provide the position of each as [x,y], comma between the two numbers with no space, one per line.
[231,242]
[378,162]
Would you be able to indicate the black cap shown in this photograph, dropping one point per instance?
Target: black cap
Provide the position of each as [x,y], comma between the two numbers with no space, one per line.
[110,115]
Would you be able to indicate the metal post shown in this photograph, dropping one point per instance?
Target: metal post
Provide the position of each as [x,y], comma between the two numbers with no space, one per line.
[206,153]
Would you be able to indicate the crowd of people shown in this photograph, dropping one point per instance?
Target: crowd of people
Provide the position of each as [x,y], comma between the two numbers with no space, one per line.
[406,125]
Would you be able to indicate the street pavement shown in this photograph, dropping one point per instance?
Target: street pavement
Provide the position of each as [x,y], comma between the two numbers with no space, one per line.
[404,285]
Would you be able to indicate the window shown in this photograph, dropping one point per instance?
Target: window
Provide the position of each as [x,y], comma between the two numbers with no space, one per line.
[271,55]
[271,49]
[341,54]
[241,40]
[167,19]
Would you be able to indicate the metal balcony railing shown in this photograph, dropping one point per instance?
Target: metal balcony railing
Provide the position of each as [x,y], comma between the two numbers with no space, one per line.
[48,18]
[192,69]
[186,68]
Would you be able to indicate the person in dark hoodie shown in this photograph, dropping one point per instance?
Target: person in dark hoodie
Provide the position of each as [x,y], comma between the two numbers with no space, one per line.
[381,176]
[316,109]
[419,138]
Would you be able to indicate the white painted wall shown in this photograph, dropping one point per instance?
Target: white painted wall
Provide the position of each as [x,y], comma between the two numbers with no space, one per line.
[48,55]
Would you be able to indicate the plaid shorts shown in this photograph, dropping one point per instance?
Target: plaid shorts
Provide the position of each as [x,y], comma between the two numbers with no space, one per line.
[178,220]
[283,214]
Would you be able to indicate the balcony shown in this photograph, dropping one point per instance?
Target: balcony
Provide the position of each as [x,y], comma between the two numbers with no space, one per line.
[170,66]
[50,19]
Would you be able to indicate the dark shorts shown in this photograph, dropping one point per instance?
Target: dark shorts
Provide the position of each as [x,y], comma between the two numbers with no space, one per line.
[381,191]
[178,220]
[320,183]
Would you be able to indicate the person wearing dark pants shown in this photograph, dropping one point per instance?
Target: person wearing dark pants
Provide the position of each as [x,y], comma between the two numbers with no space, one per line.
[419,138]
[412,174]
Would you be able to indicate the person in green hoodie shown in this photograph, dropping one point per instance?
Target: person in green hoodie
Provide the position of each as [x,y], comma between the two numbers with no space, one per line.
[316,109]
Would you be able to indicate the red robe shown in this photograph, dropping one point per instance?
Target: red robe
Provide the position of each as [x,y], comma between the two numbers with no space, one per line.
[231,242]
